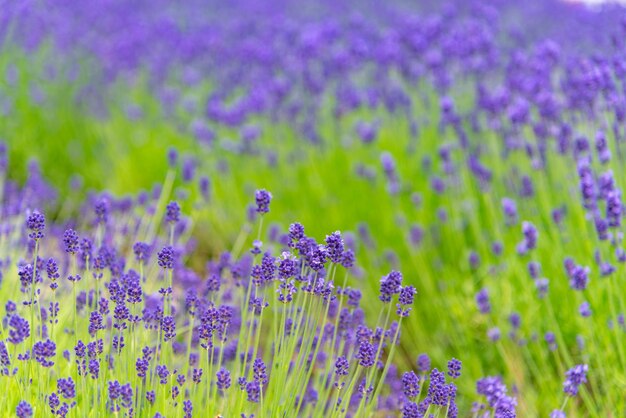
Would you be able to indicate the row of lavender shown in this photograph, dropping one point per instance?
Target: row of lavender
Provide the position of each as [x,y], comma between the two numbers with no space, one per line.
[285,62]
[106,318]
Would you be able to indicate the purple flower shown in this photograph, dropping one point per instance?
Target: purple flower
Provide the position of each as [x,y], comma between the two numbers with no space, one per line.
[172,212]
[454,368]
[542,287]
[36,223]
[260,371]
[410,384]
[437,389]
[585,309]
[43,351]
[162,373]
[614,209]
[551,340]
[579,277]
[534,269]
[70,241]
[604,153]
[24,410]
[316,257]
[196,376]
[527,189]
[287,266]
[166,258]
[334,247]
[5,360]
[509,207]
[296,232]
[587,184]
[496,248]
[515,320]
[286,289]
[74,278]
[602,228]
[187,408]
[494,334]
[52,270]
[95,322]
[494,390]
[423,363]
[223,379]
[10,307]
[54,402]
[142,365]
[416,235]
[575,377]
[482,300]
[20,329]
[405,300]
[411,410]
[354,297]
[341,366]
[66,388]
[390,285]
[263,198]
[26,275]
[530,238]
[366,354]
[204,184]
[172,157]
[188,169]
[253,389]
[119,395]
[389,168]
[101,209]
[168,325]
[142,251]
[474,260]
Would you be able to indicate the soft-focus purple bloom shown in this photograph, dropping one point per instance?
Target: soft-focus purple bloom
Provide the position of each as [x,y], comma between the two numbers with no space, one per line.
[482,301]
[70,241]
[24,410]
[263,199]
[454,368]
[172,212]
[410,383]
[423,363]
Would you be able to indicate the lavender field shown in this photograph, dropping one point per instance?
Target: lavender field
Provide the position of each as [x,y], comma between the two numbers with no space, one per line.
[312,209]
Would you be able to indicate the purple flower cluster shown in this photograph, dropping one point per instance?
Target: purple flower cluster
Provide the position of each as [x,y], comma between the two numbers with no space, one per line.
[574,378]
[263,198]
[36,224]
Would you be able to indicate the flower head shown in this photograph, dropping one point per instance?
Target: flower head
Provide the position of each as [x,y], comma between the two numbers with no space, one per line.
[166,258]
[390,285]
[263,198]
[172,212]
[24,410]
[36,223]
[574,378]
